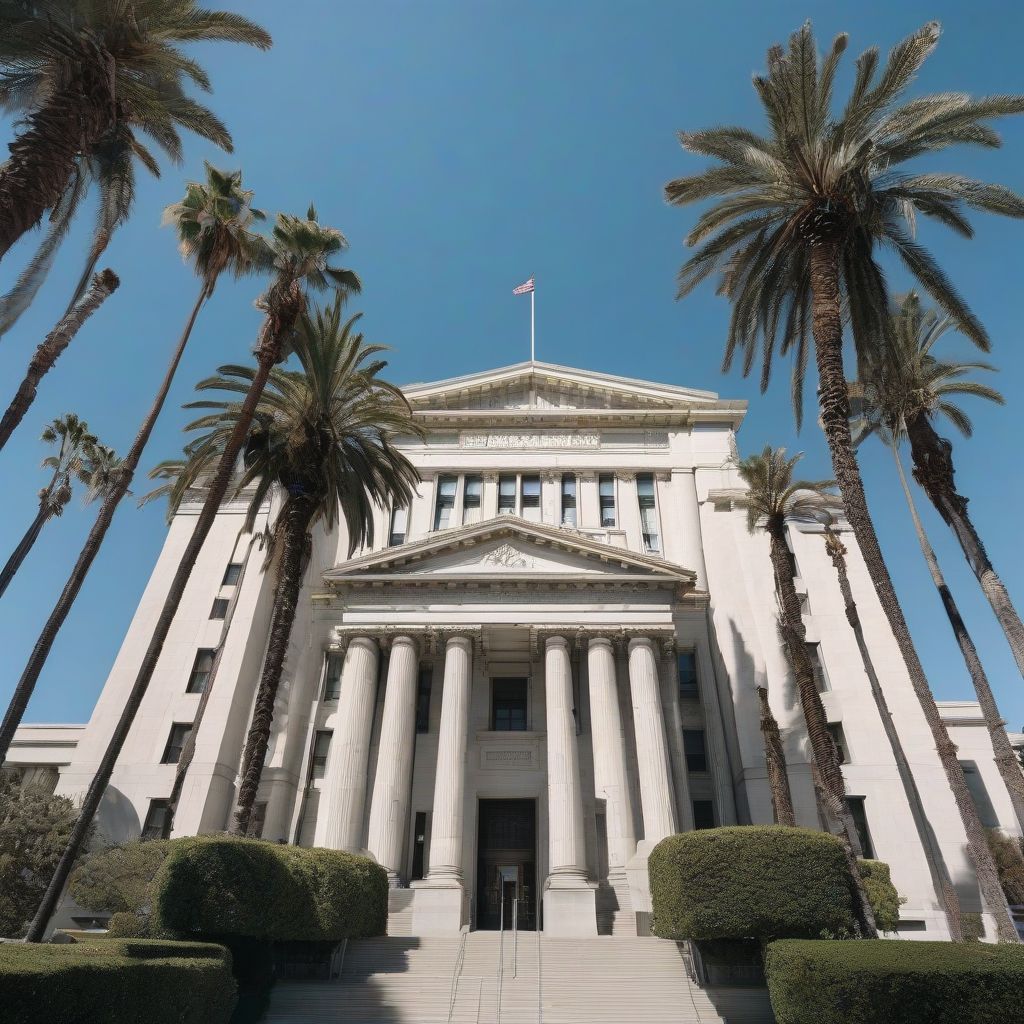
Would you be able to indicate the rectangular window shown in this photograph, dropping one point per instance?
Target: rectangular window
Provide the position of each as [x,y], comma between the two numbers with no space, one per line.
[472,498]
[419,844]
[201,669]
[695,748]
[175,742]
[835,730]
[820,676]
[569,500]
[321,745]
[979,794]
[333,664]
[794,569]
[399,524]
[156,820]
[508,705]
[703,814]
[220,608]
[687,663]
[606,498]
[531,498]
[423,687]
[805,604]
[860,822]
[506,494]
[648,512]
[445,502]
[232,574]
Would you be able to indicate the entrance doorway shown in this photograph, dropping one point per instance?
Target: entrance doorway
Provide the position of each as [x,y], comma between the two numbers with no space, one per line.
[506,868]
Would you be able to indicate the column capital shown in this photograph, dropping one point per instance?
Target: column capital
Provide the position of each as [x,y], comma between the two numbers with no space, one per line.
[598,640]
[555,640]
[640,641]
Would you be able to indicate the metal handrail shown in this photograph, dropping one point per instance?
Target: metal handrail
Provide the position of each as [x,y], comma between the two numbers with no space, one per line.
[515,936]
[501,956]
[453,990]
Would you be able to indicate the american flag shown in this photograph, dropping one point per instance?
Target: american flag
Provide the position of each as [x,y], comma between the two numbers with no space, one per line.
[523,288]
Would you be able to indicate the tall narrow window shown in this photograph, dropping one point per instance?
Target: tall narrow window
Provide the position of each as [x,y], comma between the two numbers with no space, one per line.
[201,669]
[445,502]
[979,794]
[176,742]
[860,822]
[648,512]
[835,730]
[606,498]
[333,664]
[232,574]
[531,498]
[703,814]
[257,820]
[569,500]
[794,569]
[695,749]
[687,664]
[419,844]
[508,705]
[506,494]
[156,820]
[424,684]
[321,745]
[820,676]
[220,608]
[472,497]
[399,525]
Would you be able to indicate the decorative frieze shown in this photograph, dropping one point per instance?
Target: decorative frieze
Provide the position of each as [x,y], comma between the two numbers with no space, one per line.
[520,439]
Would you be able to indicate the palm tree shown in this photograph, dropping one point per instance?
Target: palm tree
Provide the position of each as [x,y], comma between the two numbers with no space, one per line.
[773,498]
[103,285]
[941,881]
[906,384]
[298,252]
[323,434]
[801,213]
[775,762]
[213,226]
[79,455]
[78,70]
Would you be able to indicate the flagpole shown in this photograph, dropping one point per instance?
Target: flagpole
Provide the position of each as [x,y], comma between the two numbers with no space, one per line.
[533,291]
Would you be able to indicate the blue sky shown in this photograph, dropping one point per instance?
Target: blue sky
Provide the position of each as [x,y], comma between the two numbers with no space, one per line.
[462,146]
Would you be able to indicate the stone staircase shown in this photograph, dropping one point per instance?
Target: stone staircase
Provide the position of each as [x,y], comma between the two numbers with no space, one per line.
[477,979]
[400,911]
[615,907]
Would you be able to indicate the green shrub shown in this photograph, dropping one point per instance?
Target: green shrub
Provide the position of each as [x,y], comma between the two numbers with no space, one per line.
[884,899]
[113,982]
[124,925]
[751,881]
[248,888]
[885,982]
[1009,857]
[119,879]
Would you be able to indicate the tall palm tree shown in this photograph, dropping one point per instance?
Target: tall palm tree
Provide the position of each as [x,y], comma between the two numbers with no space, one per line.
[937,869]
[773,498]
[213,226]
[77,451]
[51,347]
[775,762]
[299,253]
[801,213]
[324,435]
[78,69]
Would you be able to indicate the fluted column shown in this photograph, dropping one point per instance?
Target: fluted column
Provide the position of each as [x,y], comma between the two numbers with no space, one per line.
[651,749]
[567,854]
[611,782]
[392,785]
[343,799]
[450,779]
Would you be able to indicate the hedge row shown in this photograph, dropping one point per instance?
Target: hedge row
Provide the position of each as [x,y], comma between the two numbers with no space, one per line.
[882,895]
[243,887]
[882,982]
[750,881]
[114,982]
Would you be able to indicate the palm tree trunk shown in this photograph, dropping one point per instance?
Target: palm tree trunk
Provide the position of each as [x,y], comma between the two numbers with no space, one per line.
[835,418]
[277,325]
[24,547]
[775,761]
[934,471]
[296,515]
[823,750]
[27,683]
[941,881]
[52,346]
[1006,760]
[42,159]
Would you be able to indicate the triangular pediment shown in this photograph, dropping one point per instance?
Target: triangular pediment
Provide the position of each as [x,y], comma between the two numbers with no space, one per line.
[508,548]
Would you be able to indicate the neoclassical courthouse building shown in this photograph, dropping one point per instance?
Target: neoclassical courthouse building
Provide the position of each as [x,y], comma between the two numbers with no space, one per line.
[542,667]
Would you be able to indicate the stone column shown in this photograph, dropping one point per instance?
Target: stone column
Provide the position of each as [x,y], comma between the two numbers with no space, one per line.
[343,798]
[392,785]
[655,769]
[611,781]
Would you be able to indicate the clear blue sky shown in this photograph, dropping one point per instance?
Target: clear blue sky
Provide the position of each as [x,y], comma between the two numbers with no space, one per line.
[462,146]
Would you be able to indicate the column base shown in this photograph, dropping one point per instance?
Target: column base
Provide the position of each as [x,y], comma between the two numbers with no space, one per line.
[438,907]
[570,906]
[639,880]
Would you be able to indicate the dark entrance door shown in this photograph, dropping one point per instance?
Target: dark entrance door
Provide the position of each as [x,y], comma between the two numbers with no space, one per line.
[506,867]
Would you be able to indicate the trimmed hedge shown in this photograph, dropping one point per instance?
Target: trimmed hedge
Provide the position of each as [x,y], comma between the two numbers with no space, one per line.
[214,887]
[750,882]
[114,982]
[882,895]
[884,982]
